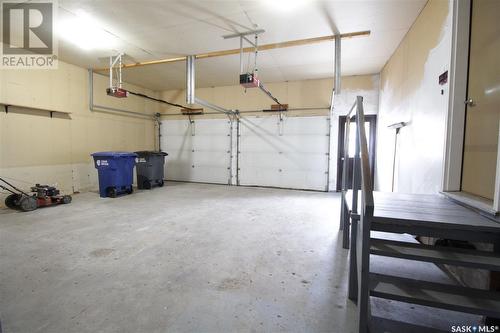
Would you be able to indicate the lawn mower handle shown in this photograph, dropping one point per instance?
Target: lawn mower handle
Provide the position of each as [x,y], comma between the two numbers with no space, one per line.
[15,188]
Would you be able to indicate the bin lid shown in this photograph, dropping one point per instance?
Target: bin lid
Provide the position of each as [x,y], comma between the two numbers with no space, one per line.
[114,154]
[144,153]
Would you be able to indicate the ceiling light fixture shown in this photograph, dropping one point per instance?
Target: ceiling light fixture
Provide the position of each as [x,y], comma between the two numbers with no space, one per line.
[85,32]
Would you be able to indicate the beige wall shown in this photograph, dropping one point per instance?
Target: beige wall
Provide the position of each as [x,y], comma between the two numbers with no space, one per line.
[298,94]
[409,92]
[37,148]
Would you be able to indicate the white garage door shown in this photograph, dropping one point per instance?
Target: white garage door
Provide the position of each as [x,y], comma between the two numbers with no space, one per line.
[292,153]
[198,151]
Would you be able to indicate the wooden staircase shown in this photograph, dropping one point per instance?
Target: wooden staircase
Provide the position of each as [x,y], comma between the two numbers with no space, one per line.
[437,295]
[365,211]
[435,254]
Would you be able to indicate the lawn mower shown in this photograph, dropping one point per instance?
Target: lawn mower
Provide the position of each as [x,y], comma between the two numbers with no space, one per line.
[41,196]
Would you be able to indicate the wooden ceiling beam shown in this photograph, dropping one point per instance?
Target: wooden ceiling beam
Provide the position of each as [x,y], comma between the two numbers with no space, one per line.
[265,47]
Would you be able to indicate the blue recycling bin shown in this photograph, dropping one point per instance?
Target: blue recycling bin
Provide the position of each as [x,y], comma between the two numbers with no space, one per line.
[116,172]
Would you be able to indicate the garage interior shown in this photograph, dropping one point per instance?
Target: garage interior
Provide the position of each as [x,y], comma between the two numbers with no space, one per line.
[330,166]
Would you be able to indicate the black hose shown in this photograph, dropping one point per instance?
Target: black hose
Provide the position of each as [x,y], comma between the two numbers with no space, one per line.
[158,100]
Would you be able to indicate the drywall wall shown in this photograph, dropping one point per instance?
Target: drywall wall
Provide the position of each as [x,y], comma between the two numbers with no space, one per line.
[306,98]
[410,92]
[35,148]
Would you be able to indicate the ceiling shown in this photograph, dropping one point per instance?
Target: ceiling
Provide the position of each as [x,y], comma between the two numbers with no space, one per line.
[150,30]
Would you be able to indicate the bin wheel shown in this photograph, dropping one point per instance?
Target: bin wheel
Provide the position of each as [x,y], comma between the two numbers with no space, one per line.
[147,185]
[161,183]
[12,200]
[66,199]
[111,191]
[28,204]
[130,190]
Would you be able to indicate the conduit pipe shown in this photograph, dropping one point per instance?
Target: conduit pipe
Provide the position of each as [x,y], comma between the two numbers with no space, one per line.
[337,65]
[191,88]
[190,79]
[335,93]
[101,108]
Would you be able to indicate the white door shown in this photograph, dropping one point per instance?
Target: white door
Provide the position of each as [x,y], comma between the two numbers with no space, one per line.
[292,153]
[198,151]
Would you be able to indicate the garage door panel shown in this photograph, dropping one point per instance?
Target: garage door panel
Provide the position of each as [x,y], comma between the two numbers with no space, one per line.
[211,158]
[289,144]
[198,152]
[210,143]
[288,179]
[179,127]
[310,125]
[290,126]
[175,154]
[212,127]
[178,143]
[293,154]
[312,162]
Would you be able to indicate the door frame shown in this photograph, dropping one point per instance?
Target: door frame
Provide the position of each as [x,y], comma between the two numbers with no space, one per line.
[455,120]
[372,119]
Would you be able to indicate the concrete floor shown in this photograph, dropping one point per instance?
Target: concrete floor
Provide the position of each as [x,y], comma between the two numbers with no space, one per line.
[184,258]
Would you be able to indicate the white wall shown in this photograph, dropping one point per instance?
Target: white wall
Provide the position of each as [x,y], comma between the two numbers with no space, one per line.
[409,92]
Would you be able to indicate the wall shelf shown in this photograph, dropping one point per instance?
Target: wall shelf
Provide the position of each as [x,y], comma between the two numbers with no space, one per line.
[7,108]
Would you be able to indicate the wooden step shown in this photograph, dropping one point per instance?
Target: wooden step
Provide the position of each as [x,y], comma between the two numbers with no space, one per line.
[384,325]
[435,254]
[438,295]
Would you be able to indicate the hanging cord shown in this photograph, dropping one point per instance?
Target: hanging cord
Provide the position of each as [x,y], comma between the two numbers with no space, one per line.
[248,63]
[158,100]
[268,93]
[255,70]
[116,79]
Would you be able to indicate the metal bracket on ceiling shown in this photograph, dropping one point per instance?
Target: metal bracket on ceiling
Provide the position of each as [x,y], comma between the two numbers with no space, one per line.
[243,36]
[114,60]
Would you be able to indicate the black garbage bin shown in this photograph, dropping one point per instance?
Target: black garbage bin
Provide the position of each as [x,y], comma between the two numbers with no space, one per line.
[150,169]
